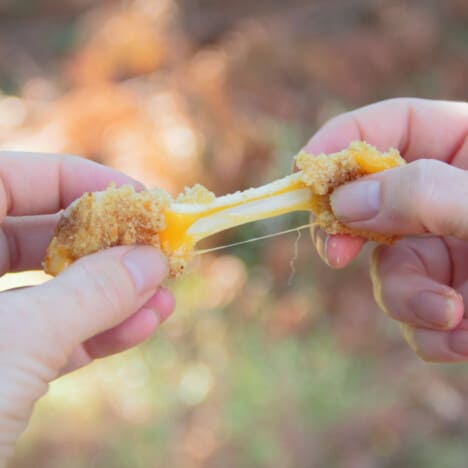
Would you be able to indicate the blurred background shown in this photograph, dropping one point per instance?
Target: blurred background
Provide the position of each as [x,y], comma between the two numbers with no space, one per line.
[259,367]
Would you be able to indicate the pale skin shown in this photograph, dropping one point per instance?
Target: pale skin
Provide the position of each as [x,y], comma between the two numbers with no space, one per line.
[112,300]
[422,280]
[101,305]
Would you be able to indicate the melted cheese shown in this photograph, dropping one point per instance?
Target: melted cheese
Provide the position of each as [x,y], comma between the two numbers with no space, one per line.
[370,163]
[180,218]
[177,226]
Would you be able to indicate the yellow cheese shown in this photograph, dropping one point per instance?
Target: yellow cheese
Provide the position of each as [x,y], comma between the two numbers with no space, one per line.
[121,216]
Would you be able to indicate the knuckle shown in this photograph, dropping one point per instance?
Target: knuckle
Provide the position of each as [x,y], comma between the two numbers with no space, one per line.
[423,185]
[436,212]
[423,174]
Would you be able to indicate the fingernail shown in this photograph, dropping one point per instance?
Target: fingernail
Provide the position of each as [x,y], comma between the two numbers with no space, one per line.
[147,267]
[152,314]
[356,201]
[435,309]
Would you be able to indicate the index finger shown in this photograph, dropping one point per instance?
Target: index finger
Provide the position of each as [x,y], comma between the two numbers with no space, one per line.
[38,183]
[418,128]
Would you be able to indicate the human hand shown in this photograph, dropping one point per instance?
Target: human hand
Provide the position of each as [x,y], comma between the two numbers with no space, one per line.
[100,305]
[421,281]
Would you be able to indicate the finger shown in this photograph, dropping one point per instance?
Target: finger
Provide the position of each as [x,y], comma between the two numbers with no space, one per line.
[336,250]
[411,284]
[24,240]
[416,127]
[131,332]
[135,329]
[426,196]
[126,335]
[93,295]
[342,250]
[439,346]
[36,183]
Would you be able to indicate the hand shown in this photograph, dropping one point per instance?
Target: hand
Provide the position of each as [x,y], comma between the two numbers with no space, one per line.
[100,305]
[421,281]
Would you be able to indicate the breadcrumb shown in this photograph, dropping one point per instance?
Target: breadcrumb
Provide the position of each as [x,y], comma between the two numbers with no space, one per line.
[116,216]
[323,173]
[196,194]
[121,216]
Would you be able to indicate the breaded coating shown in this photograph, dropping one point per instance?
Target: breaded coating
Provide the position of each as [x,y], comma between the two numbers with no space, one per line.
[323,173]
[121,216]
[116,216]
[196,194]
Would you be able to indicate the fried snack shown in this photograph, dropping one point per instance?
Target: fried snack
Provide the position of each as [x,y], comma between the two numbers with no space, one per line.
[121,216]
[323,173]
[97,220]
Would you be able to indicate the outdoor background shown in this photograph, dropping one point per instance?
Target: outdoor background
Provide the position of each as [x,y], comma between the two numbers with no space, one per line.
[258,367]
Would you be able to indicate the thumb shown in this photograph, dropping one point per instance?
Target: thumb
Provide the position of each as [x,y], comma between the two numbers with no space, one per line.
[94,294]
[426,196]
[40,326]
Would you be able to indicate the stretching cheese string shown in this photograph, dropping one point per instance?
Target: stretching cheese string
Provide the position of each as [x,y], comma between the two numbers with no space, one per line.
[254,239]
[292,265]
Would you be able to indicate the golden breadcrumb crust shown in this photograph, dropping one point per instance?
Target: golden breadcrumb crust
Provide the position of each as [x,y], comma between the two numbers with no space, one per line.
[117,216]
[121,216]
[323,173]
[196,194]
